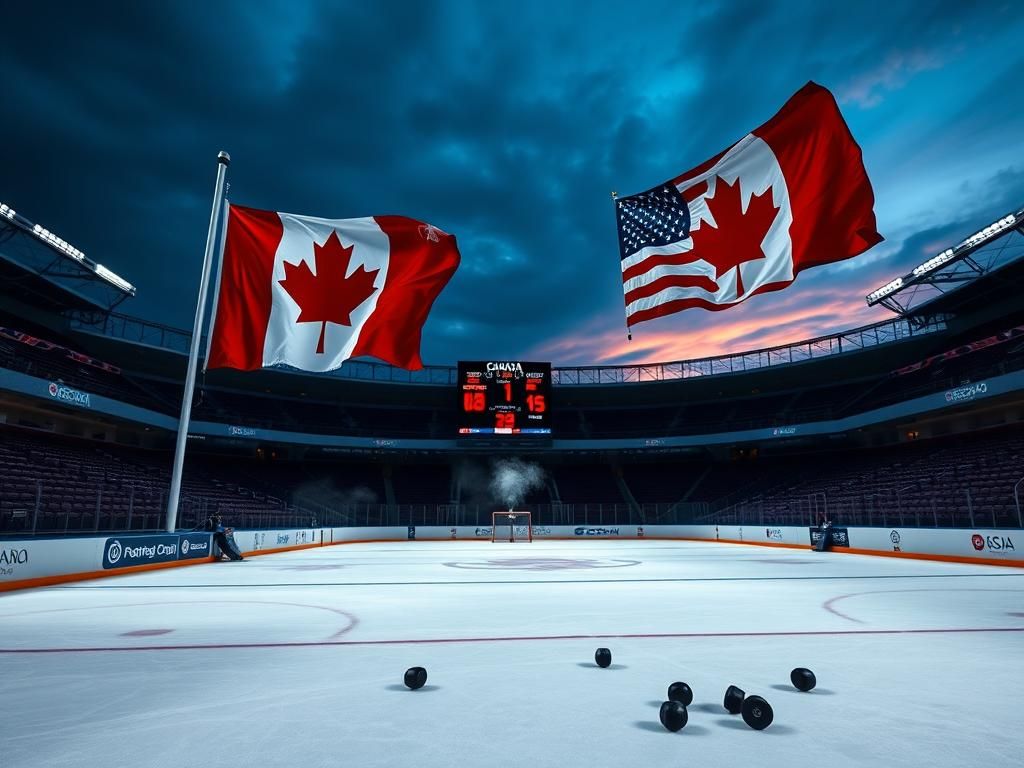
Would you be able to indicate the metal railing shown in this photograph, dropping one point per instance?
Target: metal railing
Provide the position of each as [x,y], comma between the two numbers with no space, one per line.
[144,512]
[886,332]
[140,507]
[886,507]
[876,508]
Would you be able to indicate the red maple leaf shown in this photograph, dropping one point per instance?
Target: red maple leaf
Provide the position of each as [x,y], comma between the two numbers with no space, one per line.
[328,296]
[735,237]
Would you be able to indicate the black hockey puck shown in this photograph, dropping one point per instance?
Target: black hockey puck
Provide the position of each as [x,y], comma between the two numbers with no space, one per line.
[603,657]
[680,692]
[673,715]
[757,713]
[733,700]
[415,677]
[803,679]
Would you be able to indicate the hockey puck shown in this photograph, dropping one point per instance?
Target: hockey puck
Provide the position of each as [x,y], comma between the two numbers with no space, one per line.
[803,679]
[603,657]
[757,713]
[673,715]
[733,700]
[680,692]
[415,677]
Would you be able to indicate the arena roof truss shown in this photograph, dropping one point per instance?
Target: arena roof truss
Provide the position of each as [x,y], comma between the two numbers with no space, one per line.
[35,250]
[139,331]
[987,250]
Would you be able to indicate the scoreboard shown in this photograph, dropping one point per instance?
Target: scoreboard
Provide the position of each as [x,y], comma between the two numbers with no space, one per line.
[502,397]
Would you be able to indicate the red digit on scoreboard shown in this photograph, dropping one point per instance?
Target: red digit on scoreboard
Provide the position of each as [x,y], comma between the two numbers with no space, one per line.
[536,403]
[508,391]
[503,420]
[473,401]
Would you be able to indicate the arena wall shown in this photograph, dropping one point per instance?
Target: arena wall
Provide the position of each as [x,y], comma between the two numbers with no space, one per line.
[43,390]
[44,561]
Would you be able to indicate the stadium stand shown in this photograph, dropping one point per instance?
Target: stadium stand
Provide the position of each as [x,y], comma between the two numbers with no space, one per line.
[58,484]
[963,481]
[51,483]
[586,483]
[753,437]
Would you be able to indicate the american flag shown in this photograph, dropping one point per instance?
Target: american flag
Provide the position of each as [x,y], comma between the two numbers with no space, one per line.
[790,195]
[654,233]
[653,218]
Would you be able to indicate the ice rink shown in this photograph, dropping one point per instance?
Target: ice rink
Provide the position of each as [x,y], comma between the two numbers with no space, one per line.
[296,659]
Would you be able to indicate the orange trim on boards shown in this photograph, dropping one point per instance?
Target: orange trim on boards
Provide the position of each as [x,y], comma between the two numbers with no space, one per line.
[885,553]
[46,581]
[940,558]
[758,543]
[285,549]
[64,578]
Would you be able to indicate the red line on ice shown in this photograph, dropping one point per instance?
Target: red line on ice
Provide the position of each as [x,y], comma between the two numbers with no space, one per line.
[512,639]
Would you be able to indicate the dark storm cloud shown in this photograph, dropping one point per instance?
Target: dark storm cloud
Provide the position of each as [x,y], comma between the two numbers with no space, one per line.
[506,124]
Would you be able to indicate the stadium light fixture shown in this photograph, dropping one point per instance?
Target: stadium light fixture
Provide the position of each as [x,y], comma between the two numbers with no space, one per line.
[933,263]
[885,290]
[990,231]
[963,248]
[59,243]
[115,279]
[66,248]
[973,241]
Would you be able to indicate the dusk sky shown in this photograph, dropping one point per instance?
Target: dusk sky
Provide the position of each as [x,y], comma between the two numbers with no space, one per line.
[507,124]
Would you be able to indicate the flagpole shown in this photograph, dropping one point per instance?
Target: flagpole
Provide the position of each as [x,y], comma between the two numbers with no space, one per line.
[223,159]
[625,307]
[220,273]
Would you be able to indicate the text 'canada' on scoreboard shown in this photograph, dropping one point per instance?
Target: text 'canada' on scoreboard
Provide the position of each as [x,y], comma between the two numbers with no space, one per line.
[504,397]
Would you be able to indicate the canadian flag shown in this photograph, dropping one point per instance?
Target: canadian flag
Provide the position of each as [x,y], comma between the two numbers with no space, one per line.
[311,293]
[789,195]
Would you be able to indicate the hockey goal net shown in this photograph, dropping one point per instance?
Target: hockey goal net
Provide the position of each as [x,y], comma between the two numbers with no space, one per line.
[511,527]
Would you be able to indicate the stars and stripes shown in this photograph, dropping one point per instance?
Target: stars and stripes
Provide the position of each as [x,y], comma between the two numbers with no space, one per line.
[655,248]
[790,195]
[654,218]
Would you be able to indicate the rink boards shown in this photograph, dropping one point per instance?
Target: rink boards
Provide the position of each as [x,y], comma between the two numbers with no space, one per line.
[41,561]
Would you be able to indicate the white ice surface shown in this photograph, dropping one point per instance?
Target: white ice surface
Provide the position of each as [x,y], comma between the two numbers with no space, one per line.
[297,659]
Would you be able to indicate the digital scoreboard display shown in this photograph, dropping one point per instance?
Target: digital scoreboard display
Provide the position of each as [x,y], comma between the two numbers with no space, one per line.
[503,397]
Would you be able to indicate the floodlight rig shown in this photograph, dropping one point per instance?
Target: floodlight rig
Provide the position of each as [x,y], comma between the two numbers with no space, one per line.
[949,268]
[66,250]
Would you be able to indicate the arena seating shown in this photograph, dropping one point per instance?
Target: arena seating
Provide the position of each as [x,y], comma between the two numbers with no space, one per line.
[53,361]
[586,483]
[654,482]
[961,481]
[422,483]
[50,483]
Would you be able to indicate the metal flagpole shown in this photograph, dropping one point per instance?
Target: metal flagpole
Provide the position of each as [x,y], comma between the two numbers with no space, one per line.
[625,306]
[223,159]
[220,274]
